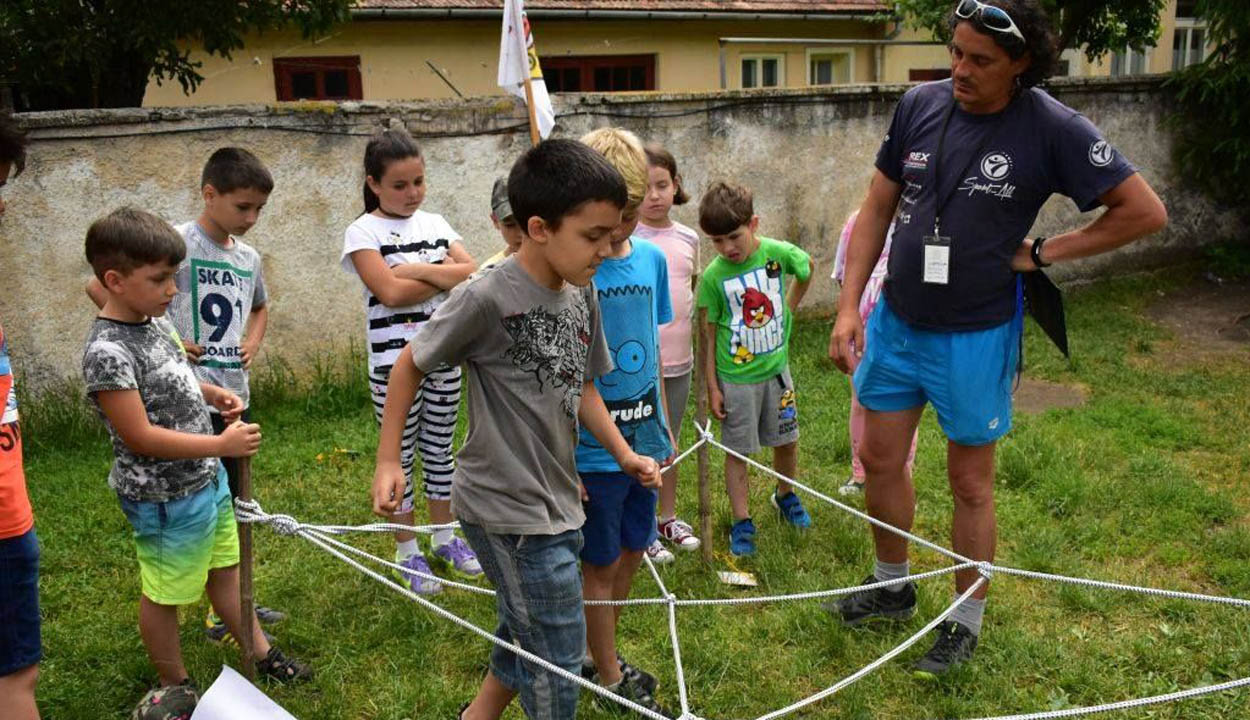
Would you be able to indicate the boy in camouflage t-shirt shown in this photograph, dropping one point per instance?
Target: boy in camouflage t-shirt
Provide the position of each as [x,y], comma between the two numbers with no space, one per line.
[166,474]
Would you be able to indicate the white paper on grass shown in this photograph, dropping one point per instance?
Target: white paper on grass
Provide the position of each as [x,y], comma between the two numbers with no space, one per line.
[232,697]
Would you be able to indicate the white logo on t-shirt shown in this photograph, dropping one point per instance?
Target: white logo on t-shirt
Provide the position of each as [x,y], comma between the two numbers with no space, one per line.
[995,165]
[1100,153]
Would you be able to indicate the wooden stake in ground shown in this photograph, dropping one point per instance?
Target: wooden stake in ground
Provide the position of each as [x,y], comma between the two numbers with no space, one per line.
[247,606]
[700,389]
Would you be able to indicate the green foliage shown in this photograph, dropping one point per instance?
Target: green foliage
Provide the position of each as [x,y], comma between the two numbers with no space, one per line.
[100,53]
[1229,260]
[1212,121]
[1099,27]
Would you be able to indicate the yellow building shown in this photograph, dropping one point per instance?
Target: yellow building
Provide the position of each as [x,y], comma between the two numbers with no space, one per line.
[408,49]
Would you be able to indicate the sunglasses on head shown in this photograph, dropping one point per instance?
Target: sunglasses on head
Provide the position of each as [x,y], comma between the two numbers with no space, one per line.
[994,18]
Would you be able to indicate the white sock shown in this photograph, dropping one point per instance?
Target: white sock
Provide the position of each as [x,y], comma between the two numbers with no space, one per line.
[407,548]
[892,571]
[442,536]
[969,613]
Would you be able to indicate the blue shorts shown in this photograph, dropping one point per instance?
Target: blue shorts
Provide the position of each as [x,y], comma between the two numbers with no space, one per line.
[179,541]
[967,376]
[19,602]
[538,600]
[619,514]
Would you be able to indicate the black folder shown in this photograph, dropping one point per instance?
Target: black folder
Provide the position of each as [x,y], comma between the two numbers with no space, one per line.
[1044,301]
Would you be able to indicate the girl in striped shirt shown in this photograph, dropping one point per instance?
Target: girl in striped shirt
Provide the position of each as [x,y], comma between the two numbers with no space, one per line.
[408,259]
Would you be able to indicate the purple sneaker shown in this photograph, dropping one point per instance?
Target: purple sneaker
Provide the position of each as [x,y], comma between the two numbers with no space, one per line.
[458,557]
[419,585]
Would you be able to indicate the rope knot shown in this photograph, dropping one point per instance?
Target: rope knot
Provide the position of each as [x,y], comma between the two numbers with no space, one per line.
[249,506]
[985,569]
[284,524]
[705,432]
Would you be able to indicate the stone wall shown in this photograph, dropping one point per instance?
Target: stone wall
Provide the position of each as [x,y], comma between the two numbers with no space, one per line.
[807,154]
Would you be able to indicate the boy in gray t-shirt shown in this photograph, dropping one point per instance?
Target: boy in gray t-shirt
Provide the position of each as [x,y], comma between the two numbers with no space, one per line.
[529,332]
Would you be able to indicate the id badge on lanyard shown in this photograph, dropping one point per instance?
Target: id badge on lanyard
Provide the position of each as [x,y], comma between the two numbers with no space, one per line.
[937,258]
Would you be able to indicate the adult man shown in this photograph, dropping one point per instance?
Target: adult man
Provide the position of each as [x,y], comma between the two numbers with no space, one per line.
[965,168]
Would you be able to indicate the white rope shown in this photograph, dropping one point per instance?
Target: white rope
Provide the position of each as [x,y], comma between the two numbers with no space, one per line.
[707,435]
[671,600]
[1101,585]
[320,535]
[1128,704]
[824,593]
[870,667]
[513,648]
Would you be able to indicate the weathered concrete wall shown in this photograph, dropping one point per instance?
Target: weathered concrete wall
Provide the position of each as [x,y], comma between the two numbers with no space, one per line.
[808,155]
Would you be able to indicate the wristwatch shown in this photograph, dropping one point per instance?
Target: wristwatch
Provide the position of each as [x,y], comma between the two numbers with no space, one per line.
[1035,252]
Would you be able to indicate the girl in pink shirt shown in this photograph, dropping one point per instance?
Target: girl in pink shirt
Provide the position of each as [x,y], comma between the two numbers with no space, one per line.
[680,245]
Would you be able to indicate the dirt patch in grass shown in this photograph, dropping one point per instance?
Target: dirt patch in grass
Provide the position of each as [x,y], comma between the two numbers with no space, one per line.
[1207,318]
[1035,396]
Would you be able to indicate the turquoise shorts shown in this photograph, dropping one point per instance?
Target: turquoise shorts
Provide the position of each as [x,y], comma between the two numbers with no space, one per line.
[179,541]
[966,376]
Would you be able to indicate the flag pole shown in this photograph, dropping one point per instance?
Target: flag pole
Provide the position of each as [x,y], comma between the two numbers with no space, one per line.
[535,138]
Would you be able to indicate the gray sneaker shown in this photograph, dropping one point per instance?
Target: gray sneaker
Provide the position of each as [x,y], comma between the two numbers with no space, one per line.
[955,644]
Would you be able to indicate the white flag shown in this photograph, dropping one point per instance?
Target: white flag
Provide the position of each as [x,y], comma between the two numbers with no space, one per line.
[518,59]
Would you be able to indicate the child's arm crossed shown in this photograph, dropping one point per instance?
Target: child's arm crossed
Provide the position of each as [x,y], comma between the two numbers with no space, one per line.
[445,275]
[388,287]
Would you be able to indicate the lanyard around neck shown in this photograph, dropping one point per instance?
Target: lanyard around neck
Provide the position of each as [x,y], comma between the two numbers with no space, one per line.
[944,200]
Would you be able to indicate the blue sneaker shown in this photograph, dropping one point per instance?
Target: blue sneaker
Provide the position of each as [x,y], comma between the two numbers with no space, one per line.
[791,509]
[742,538]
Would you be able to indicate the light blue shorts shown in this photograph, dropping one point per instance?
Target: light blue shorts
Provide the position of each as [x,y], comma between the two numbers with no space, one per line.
[967,376]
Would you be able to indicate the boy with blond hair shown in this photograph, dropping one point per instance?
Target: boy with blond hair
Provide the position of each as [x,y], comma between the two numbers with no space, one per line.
[632,286]
[166,470]
[749,313]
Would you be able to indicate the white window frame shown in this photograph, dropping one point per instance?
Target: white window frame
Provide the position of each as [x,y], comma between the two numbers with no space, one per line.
[822,52]
[1187,25]
[758,59]
[1129,54]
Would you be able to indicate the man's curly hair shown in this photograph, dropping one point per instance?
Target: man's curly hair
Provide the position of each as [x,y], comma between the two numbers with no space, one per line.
[1039,37]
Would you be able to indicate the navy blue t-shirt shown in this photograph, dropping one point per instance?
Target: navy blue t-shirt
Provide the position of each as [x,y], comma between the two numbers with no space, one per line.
[1002,168]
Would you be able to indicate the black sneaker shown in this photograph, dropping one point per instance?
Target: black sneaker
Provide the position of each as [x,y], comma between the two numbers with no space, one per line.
[279,667]
[877,604]
[641,678]
[954,644]
[634,692]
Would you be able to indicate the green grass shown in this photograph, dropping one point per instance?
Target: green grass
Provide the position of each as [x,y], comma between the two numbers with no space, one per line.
[1142,485]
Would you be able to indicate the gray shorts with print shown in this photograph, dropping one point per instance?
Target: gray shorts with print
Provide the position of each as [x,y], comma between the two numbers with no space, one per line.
[762,414]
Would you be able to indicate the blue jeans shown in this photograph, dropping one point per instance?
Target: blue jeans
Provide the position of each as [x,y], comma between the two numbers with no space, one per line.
[538,586]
